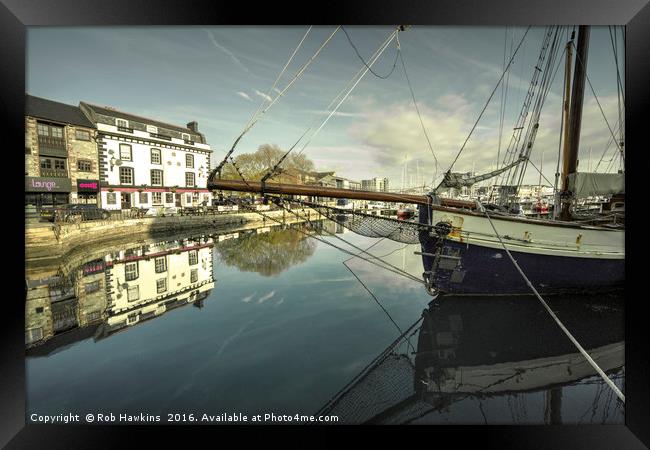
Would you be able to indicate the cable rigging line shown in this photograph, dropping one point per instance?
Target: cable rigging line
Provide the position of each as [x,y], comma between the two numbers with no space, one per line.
[488,101]
[417,109]
[589,359]
[378,53]
[275,83]
[260,113]
[366,64]
[620,148]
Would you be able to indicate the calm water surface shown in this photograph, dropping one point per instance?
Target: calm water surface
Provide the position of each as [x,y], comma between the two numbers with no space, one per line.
[271,320]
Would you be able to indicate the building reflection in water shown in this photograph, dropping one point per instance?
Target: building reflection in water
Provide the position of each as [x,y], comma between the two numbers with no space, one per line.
[469,351]
[73,300]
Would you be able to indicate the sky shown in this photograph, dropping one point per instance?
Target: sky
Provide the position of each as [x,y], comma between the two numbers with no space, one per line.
[219,76]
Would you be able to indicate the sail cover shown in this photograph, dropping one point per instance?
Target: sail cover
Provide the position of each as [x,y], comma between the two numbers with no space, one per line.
[585,184]
[458,180]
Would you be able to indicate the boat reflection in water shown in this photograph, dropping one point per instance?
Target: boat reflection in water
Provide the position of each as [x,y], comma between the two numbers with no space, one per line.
[494,360]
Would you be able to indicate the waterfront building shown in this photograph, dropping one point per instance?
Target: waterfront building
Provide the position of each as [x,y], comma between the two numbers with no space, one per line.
[146,163]
[60,154]
[375,184]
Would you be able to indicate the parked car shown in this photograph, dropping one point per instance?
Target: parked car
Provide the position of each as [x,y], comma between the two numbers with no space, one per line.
[68,213]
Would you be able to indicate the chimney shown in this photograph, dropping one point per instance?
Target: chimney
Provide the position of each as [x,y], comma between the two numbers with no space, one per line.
[194,126]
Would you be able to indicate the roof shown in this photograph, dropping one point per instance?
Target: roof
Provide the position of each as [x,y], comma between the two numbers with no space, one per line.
[106,111]
[43,108]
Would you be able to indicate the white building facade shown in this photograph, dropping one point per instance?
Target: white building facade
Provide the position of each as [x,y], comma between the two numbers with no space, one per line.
[145,163]
[376,184]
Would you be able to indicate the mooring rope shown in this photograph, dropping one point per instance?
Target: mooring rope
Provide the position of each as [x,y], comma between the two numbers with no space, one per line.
[550,311]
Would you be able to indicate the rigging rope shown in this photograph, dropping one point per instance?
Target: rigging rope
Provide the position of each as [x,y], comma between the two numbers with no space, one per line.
[417,109]
[593,364]
[364,62]
[488,101]
[382,47]
[618,145]
[268,94]
[253,122]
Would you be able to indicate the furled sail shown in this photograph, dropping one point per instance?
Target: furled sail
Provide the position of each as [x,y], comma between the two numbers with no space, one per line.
[585,184]
[458,180]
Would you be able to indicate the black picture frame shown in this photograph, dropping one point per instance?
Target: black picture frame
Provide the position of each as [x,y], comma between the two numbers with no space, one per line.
[16,15]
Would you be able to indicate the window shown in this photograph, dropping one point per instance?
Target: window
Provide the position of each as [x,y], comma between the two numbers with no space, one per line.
[125,152]
[133,293]
[111,198]
[188,198]
[194,275]
[156,177]
[161,285]
[52,163]
[189,179]
[185,136]
[144,197]
[156,198]
[121,123]
[46,163]
[189,161]
[49,130]
[131,271]
[82,135]
[152,129]
[89,288]
[126,175]
[33,335]
[155,156]
[83,165]
[169,197]
[193,256]
[161,264]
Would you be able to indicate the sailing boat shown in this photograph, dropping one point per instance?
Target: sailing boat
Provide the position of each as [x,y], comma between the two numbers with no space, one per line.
[464,246]
[556,255]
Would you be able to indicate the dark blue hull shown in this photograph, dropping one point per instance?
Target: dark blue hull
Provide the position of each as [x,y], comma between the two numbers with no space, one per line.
[474,269]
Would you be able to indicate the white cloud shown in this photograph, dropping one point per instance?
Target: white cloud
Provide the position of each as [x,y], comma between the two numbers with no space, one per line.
[244,95]
[227,52]
[263,95]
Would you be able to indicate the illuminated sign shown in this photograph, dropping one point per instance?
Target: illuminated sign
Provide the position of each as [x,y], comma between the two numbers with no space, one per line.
[87,185]
[43,184]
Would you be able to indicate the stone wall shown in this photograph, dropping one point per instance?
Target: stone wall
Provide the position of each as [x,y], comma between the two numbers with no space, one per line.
[46,242]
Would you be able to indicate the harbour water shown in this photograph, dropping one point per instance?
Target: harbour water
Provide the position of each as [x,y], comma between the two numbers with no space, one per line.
[271,320]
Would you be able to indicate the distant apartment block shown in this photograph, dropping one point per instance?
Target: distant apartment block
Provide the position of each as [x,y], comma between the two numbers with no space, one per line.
[376,184]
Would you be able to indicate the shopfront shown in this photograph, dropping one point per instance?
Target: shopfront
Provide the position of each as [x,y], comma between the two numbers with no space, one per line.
[45,191]
[87,191]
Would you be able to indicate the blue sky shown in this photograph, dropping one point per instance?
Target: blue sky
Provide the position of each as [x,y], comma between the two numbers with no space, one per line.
[218,76]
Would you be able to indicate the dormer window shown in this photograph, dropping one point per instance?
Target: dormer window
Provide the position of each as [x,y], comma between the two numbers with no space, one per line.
[152,129]
[186,137]
[121,123]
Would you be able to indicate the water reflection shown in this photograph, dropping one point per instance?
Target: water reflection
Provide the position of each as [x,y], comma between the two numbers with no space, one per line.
[494,360]
[281,325]
[267,253]
[121,289]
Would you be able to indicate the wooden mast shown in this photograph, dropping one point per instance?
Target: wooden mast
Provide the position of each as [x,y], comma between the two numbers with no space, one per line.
[575,118]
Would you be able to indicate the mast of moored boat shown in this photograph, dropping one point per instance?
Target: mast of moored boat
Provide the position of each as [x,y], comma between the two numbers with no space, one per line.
[575,117]
[565,122]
